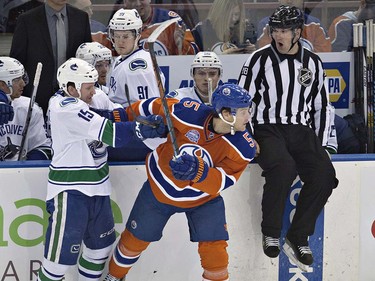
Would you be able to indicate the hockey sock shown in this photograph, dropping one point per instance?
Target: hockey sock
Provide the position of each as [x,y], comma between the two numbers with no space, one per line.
[51,271]
[126,253]
[91,263]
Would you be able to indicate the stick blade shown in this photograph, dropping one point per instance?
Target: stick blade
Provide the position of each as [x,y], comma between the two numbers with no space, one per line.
[155,34]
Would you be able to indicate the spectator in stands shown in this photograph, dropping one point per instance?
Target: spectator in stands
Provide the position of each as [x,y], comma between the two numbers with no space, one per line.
[344,28]
[86,6]
[314,36]
[334,28]
[223,31]
[100,57]
[185,8]
[35,40]
[11,10]
[37,146]
[183,40]
[341,26]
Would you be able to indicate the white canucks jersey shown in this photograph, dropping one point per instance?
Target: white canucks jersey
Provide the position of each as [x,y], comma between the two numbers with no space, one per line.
[188,92]
[137,72]
[102,101]
[80,154]
[36,137]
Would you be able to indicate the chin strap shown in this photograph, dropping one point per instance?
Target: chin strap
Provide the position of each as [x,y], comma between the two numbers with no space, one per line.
[231,124]
[294,35]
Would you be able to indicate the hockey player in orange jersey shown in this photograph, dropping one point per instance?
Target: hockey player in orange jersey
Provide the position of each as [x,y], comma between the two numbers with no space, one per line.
[214,150]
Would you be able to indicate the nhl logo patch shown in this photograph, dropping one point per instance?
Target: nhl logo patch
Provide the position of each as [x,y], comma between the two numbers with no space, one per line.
[304,77]
[193,136]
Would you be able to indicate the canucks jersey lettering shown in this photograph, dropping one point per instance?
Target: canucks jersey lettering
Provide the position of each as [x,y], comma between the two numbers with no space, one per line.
[112,84]
[11,129]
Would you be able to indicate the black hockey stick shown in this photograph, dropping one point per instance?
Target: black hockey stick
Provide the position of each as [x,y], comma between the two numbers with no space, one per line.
[21,155]
[151,40]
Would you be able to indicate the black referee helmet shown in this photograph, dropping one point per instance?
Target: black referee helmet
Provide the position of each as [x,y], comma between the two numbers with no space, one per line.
[286,17]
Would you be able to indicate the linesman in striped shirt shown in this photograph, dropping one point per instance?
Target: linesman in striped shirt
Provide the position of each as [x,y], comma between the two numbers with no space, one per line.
[291,124]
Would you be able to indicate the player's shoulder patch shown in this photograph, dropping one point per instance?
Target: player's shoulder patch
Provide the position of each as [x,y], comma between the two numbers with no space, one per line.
[173,14]
[137,63]
[172,94]
[67,101]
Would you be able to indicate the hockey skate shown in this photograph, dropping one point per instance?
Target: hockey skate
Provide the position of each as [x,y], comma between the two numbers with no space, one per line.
[271,246]
[300,255]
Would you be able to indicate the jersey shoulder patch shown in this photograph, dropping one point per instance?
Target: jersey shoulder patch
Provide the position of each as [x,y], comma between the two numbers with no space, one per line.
[137,63]
[172,94]
[67,101]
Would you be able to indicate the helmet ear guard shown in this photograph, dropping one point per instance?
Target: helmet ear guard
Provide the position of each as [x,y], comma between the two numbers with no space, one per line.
[76,71]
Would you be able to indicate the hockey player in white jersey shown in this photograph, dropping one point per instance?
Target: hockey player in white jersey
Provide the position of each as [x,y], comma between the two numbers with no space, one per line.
[81,219]
[37,146]
[100,57]
[133,66]
[206,71]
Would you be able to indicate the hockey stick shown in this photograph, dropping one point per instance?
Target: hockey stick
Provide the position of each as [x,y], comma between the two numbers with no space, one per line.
[369,66]
[151,40]
[21,155]
[357,69]
[209,90]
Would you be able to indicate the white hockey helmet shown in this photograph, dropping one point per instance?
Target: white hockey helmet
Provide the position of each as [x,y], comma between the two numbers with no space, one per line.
[10,69]
[125,20]
[207,60]
[93,52]
[76,71]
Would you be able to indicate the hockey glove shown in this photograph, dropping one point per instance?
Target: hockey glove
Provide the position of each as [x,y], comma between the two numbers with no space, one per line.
[6,110]
[189,167]
[148,127]
[116,115]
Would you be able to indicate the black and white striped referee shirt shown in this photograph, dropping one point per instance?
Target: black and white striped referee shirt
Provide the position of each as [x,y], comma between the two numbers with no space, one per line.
[287,89]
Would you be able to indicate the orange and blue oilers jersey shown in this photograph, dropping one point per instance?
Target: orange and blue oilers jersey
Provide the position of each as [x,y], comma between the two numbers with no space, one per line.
[226,155]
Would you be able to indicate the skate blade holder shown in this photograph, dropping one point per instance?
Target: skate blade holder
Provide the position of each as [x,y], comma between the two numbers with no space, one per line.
[291,255]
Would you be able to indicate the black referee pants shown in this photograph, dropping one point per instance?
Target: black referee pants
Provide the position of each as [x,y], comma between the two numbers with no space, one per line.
[285,152]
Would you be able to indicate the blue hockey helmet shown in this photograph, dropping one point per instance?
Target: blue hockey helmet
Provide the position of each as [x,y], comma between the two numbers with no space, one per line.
[230,96]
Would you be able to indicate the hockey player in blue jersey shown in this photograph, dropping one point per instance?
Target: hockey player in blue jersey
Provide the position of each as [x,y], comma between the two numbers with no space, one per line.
[81,221]
[215,148]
